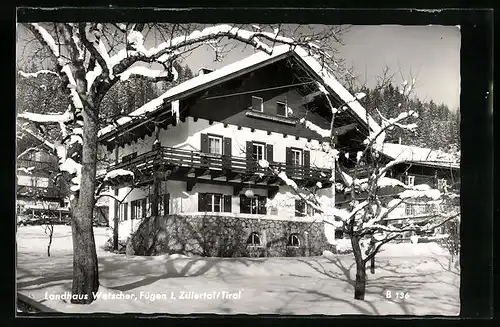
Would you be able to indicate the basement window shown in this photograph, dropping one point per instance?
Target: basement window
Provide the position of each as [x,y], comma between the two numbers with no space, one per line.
[253,239]
[257,104]
[293,240]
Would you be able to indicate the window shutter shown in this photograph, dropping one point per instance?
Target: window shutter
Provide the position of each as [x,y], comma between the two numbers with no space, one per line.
[144,208]
[244,204]
[269,152]
[307,158]
[201,202]
[288,156]
[227,203]
[125,211]
[227,146]
[249,156]
[166,204]
[204,143]
[262,205]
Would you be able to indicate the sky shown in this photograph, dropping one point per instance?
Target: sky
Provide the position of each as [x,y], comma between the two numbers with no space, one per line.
[431,54]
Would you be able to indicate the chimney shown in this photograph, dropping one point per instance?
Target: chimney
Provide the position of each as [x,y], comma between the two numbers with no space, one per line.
[204,71]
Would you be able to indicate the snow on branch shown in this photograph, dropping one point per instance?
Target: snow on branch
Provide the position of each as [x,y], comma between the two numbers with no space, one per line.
[147,72]
[43,71]
[377,138]
[315,128]
[48,40]
[117,172]
[47,118]
[421,191]
[75,97]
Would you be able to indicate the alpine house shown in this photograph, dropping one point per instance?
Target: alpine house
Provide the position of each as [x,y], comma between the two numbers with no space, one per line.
[196,158]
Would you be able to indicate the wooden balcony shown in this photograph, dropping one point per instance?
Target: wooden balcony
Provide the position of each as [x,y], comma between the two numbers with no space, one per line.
[39,192]
[195,166]
[37,165]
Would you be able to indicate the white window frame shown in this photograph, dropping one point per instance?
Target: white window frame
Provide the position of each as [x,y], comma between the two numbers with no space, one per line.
[212,196]
[137,209]
[286,109]
[261,103]
[216,138]
[442,183]
[410,180]
[260,145]
[294,152]
[121,212]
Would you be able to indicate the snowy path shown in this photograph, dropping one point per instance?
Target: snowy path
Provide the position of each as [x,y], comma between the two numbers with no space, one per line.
[316,285]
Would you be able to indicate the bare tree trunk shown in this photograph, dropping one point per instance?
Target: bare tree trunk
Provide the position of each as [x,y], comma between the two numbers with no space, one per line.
[117,210]
[85,268]
[51,233]
[372,265]
[115,223]
[360,285]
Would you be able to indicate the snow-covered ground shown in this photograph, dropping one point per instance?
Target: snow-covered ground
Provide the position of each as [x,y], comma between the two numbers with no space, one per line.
[180,285]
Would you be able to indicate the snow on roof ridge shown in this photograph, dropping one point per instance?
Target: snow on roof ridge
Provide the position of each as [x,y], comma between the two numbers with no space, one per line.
[419,154]
[249,61]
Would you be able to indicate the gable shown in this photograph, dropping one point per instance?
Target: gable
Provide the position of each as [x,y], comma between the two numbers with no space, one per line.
[256,72]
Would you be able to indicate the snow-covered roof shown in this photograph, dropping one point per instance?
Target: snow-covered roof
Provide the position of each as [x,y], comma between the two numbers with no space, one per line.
[416,154]
[176,92]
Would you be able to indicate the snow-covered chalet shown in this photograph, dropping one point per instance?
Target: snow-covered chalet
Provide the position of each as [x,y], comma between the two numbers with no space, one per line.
[196,158]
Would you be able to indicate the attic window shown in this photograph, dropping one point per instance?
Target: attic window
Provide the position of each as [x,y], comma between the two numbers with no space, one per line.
[257,104]
[281,108]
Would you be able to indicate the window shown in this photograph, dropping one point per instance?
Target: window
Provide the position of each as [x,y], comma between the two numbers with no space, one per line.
[257,103]
[253,205]
[213,202]
[39,182]
[138,208]
[302,209]
[410,180]
[409,210]
[253,239]
[214,144]
[257,151]
[442,184]
[122,212]
[339,234]
[296,157]
[281,109]
[293,240]
[163,202]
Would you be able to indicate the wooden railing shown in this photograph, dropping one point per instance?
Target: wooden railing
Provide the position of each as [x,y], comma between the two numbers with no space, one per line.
[36,191]
[38,165]
[194,159]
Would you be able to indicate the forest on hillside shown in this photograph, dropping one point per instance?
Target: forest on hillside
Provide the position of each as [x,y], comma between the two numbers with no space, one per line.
[438,125]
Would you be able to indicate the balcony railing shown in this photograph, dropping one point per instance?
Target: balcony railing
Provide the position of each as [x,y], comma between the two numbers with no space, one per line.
[193,159]
[38,165]
[36,191]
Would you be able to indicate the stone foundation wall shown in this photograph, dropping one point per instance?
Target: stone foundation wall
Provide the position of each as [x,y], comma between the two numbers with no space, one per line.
[217,236]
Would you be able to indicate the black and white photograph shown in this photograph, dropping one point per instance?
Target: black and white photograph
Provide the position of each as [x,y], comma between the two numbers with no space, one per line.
[278,168]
